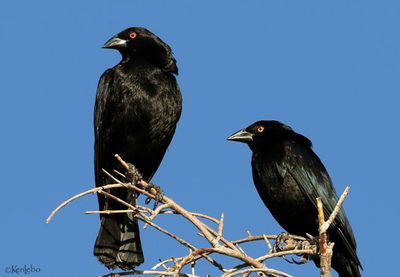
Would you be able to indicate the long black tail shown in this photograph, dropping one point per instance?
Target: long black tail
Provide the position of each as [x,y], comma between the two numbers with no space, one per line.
[345,266]
[118,242]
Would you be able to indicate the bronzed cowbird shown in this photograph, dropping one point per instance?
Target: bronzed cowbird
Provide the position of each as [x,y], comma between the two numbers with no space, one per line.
[289,177]
[138,105]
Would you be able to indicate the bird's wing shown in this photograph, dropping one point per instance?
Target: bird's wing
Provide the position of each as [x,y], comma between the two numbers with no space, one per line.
[314,181]
[103,91]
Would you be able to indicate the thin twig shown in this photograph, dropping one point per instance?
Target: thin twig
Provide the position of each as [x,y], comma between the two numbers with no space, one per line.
[119,173]
[284,253]
[268,244]
[336,209]
[268,271]
[148,272]
[171,212]
[162,263]
[156,212]
[261,237]
[225,241]
[220,227]
[109,195]
[113,178]
[278,254]
[66,202]
[206,217]
[192,254]
[111,212]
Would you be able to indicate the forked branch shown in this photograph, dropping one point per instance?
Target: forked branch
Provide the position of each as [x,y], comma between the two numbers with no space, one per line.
[326,248]
[216,242]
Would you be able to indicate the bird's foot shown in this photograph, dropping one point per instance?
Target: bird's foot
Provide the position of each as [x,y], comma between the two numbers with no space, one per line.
[282,242]
[287,242]
[310,243]
[133,175]
[159,195]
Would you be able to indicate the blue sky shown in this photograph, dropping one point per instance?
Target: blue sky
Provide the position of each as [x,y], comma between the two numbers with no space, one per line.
[330,69]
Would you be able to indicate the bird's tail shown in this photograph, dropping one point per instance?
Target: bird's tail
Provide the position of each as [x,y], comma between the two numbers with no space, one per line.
[344,266]
[118,242]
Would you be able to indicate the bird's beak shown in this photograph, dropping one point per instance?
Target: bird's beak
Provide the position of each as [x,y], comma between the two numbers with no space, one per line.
[242,136]
[115,43]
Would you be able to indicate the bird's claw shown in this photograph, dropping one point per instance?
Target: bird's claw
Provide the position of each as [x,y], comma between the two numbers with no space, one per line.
[159,195]
[281,242]
[303,260]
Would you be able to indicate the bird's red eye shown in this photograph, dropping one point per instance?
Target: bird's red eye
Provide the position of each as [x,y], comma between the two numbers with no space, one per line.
[132,35]
[260,129]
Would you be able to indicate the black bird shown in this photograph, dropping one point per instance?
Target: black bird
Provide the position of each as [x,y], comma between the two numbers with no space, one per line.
[138,105]
[289,177]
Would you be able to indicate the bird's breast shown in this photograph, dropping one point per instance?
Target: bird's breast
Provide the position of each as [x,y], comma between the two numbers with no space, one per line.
[282,196]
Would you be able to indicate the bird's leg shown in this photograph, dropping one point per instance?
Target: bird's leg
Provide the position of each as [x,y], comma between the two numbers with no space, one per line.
[133,175]
[159,194]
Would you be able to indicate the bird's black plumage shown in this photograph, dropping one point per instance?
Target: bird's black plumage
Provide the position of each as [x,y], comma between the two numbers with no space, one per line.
[138,105]
[289,177]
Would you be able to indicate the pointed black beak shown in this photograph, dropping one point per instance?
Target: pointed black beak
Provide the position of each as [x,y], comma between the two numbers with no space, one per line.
[115,43]
[242,136]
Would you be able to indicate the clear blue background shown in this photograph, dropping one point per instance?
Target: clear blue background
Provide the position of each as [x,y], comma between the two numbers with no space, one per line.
[330,69]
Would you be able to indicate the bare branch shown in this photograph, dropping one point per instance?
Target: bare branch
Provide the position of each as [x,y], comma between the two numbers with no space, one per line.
[206,217]
[112,177]
[156,212]
[217,243]
[268,243]
[109,195]
[225,241]
[267,271]
[111,212]
[220,226]
[123,163]
[66,202]
[287,252]
[162,263]
[261,237]
[326,248]
[336,209]
[148,272]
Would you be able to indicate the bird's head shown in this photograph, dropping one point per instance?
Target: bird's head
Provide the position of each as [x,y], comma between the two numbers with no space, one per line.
[265,132]
[138,42]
